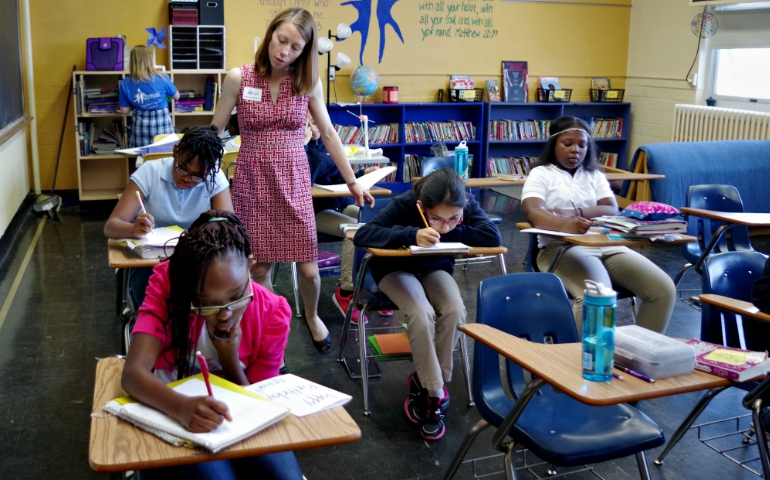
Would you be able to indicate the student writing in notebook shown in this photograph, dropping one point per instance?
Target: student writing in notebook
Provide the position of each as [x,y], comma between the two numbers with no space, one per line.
[203,299]
[174,190]
[423,287]
[564,192]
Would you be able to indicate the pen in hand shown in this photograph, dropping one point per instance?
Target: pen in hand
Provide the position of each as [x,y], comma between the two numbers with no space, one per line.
[577,212]
[141,204]
[205,371]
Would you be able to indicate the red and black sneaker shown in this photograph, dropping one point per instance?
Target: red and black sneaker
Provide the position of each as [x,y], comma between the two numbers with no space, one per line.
[343,303]
[433,428]
[417,401]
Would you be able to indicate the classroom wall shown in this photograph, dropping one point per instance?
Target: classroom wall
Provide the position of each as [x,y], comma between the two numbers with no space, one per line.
[14,182]
[661,48]
[573,42]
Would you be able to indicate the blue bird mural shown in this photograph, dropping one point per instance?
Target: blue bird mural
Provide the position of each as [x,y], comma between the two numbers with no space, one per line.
[384,18]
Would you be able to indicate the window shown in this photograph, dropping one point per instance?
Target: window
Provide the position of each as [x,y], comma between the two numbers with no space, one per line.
[742,73]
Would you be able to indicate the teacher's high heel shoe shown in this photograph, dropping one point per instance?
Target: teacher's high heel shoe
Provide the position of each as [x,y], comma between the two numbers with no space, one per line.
[324,346]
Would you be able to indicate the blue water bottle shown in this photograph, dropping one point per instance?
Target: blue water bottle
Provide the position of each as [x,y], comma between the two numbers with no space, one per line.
[599,306]
[461,161]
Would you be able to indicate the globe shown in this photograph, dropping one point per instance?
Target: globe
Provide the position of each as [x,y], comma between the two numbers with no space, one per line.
[364,81]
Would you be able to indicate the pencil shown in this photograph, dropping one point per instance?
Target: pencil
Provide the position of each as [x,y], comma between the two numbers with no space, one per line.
[422,215]
[141,204]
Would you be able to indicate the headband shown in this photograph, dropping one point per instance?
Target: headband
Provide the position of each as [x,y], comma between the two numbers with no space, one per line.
[218,219]
[571,129]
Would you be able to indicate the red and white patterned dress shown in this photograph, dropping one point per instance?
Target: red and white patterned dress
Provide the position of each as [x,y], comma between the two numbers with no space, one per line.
[271,187]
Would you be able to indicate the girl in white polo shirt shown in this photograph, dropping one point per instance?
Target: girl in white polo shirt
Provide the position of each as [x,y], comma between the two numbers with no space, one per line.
[567,173]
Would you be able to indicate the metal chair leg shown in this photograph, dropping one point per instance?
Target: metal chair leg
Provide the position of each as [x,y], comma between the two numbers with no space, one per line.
[681,273]
[756,408]
[641,462]
[466,369]
[687,423]
[480,426]
[274,274]
[295,285]
[510,469]
[364,362]
[501,259]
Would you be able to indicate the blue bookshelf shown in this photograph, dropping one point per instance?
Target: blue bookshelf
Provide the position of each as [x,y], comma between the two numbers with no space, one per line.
[551,111]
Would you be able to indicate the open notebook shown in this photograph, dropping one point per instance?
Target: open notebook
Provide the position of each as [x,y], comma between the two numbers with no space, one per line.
[159,242]
[301,396]
[251,413]
[366,181]
[440,247]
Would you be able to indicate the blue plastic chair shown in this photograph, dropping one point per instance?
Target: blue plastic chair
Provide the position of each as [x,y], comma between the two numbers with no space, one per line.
[535,306]
[720,198]
[730,274]
[367,296]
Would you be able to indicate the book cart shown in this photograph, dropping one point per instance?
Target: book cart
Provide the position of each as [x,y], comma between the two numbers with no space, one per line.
[101,176]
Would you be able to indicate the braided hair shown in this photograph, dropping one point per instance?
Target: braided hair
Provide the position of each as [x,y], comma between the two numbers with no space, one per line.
[215,234]
[202,142]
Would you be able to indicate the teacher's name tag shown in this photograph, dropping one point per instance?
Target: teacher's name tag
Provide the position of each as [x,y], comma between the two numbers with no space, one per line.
[252,94]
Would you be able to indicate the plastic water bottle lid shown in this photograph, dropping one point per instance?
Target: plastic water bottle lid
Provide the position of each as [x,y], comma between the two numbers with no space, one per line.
[462,146]
[597,289]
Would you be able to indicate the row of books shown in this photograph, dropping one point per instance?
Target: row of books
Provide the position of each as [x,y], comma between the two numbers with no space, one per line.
[519,129]
[606,127]
[391,177]
[452,131]
[510,165]
[95,100]
[378,134]
[413,166]
[607,159]
[100,140]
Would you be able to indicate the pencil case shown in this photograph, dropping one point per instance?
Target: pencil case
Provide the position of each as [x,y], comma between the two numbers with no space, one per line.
[651,353]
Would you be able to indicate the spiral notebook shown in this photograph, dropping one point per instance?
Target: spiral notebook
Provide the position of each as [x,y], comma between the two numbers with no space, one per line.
[251,413]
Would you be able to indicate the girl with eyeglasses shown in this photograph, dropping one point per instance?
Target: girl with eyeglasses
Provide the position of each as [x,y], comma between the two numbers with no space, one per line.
[422,287]
[203,299]
[174,190]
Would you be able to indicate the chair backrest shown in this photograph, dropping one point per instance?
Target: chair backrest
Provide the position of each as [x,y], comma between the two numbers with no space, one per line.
[431,164]
[160,137]
[533,306]
[732,274]
[229,163]
[365,214]
[720,198]
[155,156]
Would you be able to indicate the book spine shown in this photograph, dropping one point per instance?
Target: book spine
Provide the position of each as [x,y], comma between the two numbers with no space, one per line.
[716,370]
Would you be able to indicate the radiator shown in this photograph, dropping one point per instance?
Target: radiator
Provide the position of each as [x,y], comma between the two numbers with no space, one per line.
[697,123]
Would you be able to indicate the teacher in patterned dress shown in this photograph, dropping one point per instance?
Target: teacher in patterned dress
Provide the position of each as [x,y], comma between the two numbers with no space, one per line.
[271,187]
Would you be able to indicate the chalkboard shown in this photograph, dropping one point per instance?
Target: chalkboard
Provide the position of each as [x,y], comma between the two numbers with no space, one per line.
[11,87]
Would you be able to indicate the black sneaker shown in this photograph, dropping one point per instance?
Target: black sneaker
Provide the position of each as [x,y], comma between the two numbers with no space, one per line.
[433,427]
[417,401]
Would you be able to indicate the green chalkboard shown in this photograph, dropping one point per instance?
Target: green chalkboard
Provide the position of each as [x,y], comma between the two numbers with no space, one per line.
[11,86]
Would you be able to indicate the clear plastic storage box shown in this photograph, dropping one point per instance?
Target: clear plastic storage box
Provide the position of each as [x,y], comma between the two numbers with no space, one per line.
[651,353]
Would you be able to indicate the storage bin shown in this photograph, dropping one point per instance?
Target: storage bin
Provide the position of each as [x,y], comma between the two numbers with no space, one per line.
[465,95]
[613,95]
[554,96]
[651,353]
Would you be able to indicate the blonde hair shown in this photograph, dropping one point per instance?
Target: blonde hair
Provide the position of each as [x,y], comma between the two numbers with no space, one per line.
[141,64]
[305,67]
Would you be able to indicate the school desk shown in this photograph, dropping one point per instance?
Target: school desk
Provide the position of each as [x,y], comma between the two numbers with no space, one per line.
[560,366]
[742,308]
[319,192]
[116,446]
[122,259]
[499,182]
[730,220]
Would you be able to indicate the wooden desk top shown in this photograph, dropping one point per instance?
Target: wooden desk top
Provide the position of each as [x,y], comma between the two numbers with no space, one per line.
[560,366]
[405,252]
[738,218]
[499,182]
[323,193]
[120,257]
[116,445]
[746,309]
[602,240]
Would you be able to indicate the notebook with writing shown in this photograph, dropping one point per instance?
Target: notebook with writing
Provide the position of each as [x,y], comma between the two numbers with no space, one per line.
[159,242]
[302,397]
[251,413]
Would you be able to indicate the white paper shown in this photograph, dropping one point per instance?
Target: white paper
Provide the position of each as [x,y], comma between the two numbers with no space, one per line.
[558,234]
[157,237]
[448,247]
[367,181]
[166,144]
[301,396]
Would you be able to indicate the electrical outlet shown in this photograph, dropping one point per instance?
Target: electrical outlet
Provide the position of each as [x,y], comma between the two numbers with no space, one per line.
[331,74]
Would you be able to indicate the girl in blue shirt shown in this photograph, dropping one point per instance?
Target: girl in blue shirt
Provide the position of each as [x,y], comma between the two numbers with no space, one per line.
[145,93]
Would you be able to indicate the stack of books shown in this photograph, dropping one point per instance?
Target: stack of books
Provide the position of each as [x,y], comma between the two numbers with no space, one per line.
[103,102]
[641,227]
[728,362]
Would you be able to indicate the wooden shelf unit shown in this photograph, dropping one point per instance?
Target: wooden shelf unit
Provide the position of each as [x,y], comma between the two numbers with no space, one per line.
[100,177]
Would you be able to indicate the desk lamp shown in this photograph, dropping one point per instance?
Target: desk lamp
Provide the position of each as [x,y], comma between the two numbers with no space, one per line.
[325,45]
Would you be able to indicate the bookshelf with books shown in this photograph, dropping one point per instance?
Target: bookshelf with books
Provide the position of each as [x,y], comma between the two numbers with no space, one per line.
[516,132]
[100,128]
[412,128]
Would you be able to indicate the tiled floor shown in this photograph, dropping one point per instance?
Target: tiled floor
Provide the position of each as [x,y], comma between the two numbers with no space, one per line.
[63,316]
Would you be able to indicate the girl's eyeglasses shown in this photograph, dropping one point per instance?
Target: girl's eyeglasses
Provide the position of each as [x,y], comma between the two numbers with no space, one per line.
[184,173]
[450,222]
[215,310]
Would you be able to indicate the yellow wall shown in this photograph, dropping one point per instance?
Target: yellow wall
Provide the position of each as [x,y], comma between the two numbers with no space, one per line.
[571,42]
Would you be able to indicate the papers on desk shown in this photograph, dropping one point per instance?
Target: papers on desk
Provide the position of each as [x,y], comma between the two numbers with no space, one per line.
[302,397]
[440,247]
[251,413]
[366,181]
[164,145]
[159,242]
[558,234]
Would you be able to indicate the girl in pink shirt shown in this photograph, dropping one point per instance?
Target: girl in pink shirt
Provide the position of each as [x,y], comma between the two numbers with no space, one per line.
[203,299]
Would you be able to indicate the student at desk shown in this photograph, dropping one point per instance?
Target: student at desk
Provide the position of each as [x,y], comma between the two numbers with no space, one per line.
[174,191]
[567,173]
[423,287]
[203,299]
